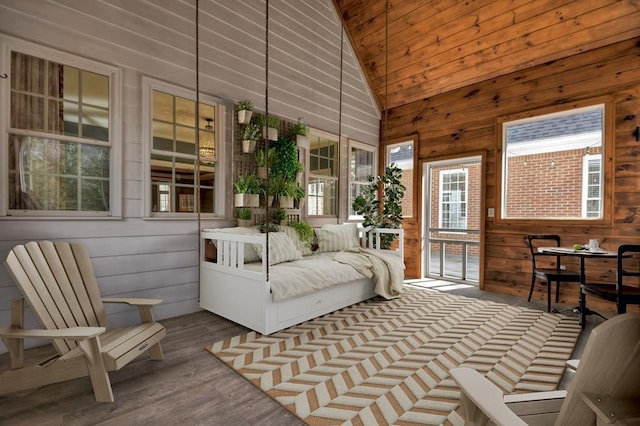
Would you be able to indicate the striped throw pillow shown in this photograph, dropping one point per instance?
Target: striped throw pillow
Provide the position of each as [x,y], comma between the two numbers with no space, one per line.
[337,237]
[281,248]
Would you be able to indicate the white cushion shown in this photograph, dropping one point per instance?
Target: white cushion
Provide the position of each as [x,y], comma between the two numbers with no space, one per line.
[337,237]
[281,248]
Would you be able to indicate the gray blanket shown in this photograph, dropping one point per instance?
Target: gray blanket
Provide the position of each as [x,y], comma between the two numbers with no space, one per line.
[387,271]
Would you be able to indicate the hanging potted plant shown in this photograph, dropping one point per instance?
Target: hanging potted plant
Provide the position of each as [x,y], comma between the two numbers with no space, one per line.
[247,189]
[244,217]
[270,127]
[301,130]
[250,135]
[263,161]
[279,217]
[245,110]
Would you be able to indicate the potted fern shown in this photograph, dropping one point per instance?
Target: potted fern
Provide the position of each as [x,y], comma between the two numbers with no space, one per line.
[263,161]
[301,130]
[244,217]
[245,110]
[250,135]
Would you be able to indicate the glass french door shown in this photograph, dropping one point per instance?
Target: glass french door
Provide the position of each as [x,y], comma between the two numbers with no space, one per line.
[452,191]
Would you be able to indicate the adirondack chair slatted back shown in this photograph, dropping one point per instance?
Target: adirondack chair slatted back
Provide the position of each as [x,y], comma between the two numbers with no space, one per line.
[609,366]
[58,282]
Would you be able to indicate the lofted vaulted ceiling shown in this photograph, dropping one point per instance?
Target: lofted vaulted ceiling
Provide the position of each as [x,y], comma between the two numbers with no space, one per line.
[435,46]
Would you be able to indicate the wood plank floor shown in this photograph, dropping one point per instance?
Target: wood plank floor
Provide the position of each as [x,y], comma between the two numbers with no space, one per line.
[189,387]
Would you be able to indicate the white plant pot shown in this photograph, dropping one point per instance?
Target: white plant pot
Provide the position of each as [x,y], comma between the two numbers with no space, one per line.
[245,223]
[285,202]
[244,116]
[270,133]
[302,141]
[248,146]
[262,172]
[246,200]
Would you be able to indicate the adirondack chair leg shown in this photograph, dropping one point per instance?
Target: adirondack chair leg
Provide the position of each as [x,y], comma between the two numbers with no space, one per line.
[473,416]
[97,370]
[146,315]
[16,346]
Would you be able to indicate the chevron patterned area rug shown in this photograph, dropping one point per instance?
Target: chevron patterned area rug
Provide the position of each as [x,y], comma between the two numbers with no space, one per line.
[387,362]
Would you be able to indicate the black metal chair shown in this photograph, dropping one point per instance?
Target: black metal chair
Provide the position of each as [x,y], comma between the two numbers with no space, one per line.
[619,292]
[548,274]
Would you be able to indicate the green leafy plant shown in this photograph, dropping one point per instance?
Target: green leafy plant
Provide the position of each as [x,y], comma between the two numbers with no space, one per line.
[277,187]
[285,160]
[301,128]
[273,121]
[251,132]
[268,227]
[264,159]
[278,215]
[244,213]
[385,213]
[245,105]
[305,231]
[246,183]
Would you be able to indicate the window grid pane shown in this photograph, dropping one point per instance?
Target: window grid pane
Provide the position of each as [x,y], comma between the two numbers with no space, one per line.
[55,174]
[323,176]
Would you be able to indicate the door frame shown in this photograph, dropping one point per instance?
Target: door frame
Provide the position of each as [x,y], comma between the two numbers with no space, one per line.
[425,193]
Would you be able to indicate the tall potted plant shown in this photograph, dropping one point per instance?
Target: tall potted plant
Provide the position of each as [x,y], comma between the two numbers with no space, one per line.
[250,135]
[245,110]
[387,211]
[269,126]
[263,161]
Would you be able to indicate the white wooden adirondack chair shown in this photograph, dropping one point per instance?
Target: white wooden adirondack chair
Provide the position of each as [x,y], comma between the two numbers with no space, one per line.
[58,282]
[604,390]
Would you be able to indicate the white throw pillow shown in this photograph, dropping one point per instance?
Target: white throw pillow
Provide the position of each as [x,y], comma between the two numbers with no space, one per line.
[337,237]
[281,248]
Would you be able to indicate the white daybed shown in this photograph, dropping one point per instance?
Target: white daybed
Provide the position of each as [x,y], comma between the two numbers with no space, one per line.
[242,293]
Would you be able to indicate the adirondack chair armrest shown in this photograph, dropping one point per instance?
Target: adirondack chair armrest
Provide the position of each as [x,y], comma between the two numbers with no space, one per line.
[145,306]
[75,333]
[611,410]
[482,400]
[132,301]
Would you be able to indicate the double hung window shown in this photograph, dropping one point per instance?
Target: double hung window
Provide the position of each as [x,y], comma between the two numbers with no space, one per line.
[61,134]
[322,184]
[183,170]
[362,167]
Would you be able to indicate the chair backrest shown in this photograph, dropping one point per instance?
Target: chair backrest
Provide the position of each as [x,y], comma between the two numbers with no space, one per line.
[536,241]
[58,282]
[610,365]
[627,258]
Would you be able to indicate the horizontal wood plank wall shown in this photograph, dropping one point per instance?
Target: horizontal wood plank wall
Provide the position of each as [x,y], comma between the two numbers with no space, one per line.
[158,258]
[463,121]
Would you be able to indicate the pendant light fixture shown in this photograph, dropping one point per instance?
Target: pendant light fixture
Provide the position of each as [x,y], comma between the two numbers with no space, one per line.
[207,145]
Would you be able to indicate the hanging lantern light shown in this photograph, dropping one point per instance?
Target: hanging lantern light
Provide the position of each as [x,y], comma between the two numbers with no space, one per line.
[207,144]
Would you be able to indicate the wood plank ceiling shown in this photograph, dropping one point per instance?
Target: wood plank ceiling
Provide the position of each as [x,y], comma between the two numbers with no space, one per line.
[440,45]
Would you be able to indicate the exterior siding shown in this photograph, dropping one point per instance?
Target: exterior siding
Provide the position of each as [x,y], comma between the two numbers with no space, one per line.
[138,257]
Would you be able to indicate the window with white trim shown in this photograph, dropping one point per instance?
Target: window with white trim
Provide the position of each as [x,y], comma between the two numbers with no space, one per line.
[61,135]
[402,154]
[362,167]
[182,176]
[544,171]
[592,185]
[322,184]
[453,199]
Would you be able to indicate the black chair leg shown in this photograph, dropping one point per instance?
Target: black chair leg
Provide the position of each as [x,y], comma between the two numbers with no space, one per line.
[583,309]
[557,291]
[622,308]
[548,296]
[533,282]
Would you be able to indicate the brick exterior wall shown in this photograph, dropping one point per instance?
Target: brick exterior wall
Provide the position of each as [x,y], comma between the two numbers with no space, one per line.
[546,185]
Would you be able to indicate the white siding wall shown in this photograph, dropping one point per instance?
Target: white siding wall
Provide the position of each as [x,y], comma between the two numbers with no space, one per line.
[138,257]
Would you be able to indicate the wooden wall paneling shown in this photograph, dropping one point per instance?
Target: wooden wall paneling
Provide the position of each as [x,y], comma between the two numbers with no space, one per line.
[443,123]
